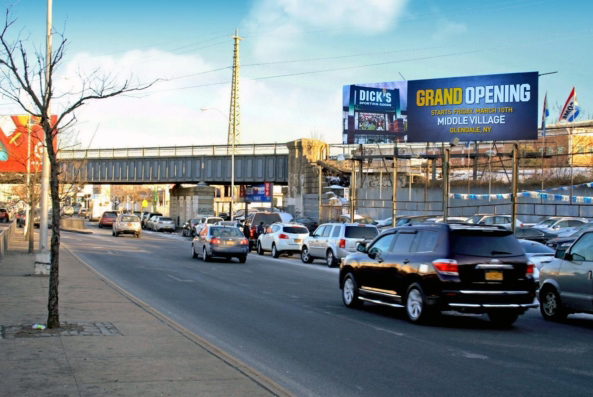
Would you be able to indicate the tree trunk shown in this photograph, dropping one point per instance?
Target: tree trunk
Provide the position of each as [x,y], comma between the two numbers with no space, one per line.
[53,317]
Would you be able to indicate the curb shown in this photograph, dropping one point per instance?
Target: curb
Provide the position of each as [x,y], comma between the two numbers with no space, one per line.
[83,231]
[249,372]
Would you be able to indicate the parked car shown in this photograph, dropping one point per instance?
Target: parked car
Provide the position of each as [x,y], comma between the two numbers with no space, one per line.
[564,226]
[236,224]
[450,219]
[362,219]
[107,219]
[493,220]
[127,224]
[149,222]
[429,268]
[412,220]
[4,215]
[309,223]
[220,241]
[68,210]
[188,228]
[334,241]
[147,217]
[579,229]
[281,238]
[565,241]
[83,212]
[538,254]
[163,224]
[207,220]
[253,220]
[529,233]
[565,283]
[225,216]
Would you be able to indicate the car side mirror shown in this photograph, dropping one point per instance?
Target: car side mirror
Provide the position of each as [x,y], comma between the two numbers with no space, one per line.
[361,247]
[372,254]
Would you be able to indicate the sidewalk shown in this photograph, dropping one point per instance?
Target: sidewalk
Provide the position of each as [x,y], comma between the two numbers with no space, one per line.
[109,343]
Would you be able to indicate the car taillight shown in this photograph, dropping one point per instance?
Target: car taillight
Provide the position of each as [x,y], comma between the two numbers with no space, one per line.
[530,268]
[244,242]
[446,266]
[214,240]
[342,243]
[283,236]
[252,232]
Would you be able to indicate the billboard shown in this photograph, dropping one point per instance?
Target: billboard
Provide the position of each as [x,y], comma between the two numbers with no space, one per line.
[499,107]
[374,113]
[14,138]
[474,108]
[257,193]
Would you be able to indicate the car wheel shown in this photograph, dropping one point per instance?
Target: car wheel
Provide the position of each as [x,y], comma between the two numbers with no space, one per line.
[330,259]
[113,233]
[205,256]
[243,259]
[193,252]
[260,251]
[305,256]
[100,227]
[416,310]
[350,292]
[550,305]
[503,318]
[275,252]
[116,234]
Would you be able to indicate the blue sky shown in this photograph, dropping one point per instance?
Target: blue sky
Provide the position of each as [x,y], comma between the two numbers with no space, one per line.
[418,39]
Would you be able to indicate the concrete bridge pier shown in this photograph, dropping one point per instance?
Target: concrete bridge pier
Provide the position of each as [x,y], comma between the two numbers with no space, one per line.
[191,202]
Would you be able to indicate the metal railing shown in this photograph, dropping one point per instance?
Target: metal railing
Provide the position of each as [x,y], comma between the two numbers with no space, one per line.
[5,237]
[172,151]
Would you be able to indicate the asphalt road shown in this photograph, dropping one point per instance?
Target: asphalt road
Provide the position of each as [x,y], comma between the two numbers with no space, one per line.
[286,319]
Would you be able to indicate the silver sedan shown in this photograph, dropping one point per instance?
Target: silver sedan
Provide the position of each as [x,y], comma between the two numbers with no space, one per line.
[220,241]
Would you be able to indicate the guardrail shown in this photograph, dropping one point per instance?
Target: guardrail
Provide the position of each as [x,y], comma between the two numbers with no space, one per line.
[5,236]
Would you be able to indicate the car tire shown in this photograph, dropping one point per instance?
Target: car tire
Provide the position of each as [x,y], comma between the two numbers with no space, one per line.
[116,234]
[205,256]
[330,258]
[415,305]
[193,252]
[503,318]
[350,292]
[243,259]
[260,251]
[305,256]
[550,305]
[275,252]
[100,227]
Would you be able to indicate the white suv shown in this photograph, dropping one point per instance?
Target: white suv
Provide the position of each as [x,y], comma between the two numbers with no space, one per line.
[282,238]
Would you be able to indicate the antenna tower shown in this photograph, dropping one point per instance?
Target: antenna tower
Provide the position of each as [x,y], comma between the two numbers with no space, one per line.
[234,136]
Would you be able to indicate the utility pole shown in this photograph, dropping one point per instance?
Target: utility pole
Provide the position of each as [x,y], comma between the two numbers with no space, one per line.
[30,208]
[447,152]
[234,134]
[45,161]
[394,188]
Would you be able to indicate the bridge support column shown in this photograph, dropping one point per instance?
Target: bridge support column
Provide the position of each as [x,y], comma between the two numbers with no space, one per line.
[303,155]
[191,202]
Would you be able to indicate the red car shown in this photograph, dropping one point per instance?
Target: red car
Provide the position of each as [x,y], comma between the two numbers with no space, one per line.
[4,216]
[107,219]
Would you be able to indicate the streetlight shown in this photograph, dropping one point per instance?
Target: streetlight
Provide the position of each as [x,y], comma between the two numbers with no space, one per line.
[204,109]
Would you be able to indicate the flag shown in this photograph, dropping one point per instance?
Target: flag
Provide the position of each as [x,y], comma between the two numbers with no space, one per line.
[571,110]
[545,113]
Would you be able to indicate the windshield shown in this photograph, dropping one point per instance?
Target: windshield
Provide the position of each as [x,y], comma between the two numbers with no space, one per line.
[474,243]
[367,233]
[226,232]
[474,219]
[110,215]
[163,219]
[532,247]
[295,229]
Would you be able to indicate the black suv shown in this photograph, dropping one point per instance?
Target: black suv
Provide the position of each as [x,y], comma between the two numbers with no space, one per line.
[434,267]
[253,220]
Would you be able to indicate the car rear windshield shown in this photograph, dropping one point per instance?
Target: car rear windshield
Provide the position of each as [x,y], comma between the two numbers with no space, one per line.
[360,232]
[213,220]
[163,219]
[481,243]
[226,232]
[110,215]
[267,219]
[130,218]
[295,229]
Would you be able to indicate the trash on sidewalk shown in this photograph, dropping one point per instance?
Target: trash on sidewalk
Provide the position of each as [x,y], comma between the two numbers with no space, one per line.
[38,326]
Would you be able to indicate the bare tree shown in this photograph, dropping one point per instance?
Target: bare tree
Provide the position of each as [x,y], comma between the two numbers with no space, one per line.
[31,86]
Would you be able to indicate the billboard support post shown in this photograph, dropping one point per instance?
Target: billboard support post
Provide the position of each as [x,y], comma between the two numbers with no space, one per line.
[353,191]
[394,188]
[515,186]
[446,184]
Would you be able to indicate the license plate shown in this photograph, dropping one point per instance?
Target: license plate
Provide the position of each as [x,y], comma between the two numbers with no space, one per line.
[493,275]
[297,240]
[230,243]
[130,224]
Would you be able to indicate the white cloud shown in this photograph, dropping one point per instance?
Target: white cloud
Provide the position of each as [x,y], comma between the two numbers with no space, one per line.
[447,29]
